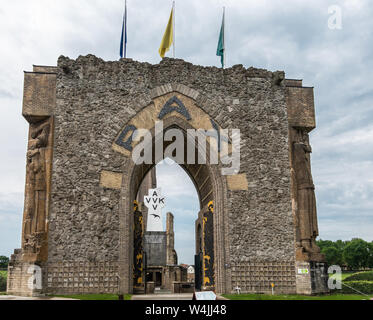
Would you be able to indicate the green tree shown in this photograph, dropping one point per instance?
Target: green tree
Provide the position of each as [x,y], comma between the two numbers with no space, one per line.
[2,282]
[340,244]
[356,254]
[322,244]
[333,251]
[370,259]
[333,256]
[4,261]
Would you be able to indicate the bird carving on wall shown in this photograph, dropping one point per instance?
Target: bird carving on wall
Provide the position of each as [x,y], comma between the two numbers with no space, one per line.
[156,216]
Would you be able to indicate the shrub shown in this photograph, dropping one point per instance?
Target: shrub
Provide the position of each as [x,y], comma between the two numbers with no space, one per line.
[333,256]
[4,261]
[2,282]
[356,254]
[360,276]
[362,286]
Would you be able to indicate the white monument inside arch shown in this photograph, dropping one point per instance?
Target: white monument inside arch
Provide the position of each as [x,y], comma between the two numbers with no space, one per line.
[155,203]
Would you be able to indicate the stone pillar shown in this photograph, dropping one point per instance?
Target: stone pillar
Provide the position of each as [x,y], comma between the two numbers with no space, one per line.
[38,174]
[312,278]
[311,275]
[171,258]
[25,268]
[25,271]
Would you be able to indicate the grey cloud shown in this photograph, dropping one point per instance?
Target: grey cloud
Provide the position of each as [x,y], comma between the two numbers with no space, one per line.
[338,229]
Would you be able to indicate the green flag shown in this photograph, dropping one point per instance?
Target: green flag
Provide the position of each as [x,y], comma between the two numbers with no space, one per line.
[221,45]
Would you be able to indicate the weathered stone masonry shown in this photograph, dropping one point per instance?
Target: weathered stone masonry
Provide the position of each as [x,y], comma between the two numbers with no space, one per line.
[93,181]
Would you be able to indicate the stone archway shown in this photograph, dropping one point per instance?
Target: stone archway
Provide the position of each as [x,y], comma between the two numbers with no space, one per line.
[208,180]
[81,115]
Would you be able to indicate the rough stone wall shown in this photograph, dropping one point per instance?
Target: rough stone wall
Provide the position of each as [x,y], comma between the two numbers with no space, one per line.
[261,221]
[95,99]
[81,277]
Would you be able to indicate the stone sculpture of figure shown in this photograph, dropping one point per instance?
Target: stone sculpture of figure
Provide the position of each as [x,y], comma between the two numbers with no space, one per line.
[35,203]
[306,200]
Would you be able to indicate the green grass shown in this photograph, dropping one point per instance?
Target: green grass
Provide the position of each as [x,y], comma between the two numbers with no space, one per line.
[94,297]
[360,276]
[3,276]
[344,275]
[293,297]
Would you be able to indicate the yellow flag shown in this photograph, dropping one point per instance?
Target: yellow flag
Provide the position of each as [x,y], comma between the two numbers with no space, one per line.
[168,37]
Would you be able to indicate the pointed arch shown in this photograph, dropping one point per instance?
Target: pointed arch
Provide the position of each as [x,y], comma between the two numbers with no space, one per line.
[210,185]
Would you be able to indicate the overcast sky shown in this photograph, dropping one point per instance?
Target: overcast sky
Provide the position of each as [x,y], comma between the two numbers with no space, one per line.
[291,35]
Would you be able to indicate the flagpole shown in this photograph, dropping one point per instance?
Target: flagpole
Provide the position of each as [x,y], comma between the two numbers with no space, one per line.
[174,18]
[125,35]
[224,54]
[123,41]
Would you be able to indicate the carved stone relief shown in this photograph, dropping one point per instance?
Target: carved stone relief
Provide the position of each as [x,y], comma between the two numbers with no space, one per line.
[35,212]
[306,215]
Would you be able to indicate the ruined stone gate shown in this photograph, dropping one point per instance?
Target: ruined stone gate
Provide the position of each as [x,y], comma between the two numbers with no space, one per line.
[81,181]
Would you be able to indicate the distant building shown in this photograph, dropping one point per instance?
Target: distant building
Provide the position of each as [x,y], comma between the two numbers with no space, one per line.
[191,274]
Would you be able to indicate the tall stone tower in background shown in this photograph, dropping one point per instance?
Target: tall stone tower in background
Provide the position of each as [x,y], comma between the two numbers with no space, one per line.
[171,258]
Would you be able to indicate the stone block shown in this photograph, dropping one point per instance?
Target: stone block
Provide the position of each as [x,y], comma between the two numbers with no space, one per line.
[312,278]
[22,279]
[238,182]
[39,96]
[111,180]
[293,83]
[301,107]
[45,69]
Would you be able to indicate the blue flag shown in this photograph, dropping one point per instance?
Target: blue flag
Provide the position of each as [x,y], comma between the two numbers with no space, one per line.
[123,40]
[221,45]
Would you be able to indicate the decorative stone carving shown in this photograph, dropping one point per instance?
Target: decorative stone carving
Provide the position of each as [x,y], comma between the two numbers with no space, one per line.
[35,214]
[278,77]
[305,194]
[126,144]
[169,108]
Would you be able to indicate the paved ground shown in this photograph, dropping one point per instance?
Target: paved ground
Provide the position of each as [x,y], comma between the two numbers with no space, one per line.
[187,296]
[170,297]
[182,296]
[3,298]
